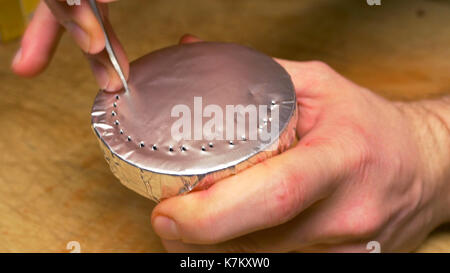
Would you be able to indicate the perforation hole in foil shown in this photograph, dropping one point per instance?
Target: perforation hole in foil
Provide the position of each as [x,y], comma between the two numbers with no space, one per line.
[244,77]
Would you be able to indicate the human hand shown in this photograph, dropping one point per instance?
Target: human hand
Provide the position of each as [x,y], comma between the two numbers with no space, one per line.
[364,169]
[44,31]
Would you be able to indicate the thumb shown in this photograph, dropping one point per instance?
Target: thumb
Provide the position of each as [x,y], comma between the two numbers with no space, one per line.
[265,195]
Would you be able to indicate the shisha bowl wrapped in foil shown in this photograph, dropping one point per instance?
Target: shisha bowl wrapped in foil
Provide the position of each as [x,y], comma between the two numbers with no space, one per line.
[195,113]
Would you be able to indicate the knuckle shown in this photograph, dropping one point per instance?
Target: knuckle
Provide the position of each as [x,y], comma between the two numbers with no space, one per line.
[320,67]
[362,223]
[319,76]
[285,199]
[358,151]
[359,157]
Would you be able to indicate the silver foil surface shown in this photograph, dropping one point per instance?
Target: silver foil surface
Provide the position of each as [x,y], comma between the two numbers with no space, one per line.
[134,128]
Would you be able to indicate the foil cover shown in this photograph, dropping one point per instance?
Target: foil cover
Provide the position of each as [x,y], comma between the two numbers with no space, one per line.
[135,129]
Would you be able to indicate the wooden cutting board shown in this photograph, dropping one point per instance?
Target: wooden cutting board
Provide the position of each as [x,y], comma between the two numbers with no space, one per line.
[55,186]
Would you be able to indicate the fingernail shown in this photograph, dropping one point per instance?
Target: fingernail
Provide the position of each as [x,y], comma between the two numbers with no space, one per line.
[114,83]
[80,36]
[166,228]
[100,73]
[17,57]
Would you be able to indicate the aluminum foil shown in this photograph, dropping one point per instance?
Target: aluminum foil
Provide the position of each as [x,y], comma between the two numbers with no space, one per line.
[135,129]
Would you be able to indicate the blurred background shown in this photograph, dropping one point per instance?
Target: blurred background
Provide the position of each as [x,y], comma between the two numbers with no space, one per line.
[55,186]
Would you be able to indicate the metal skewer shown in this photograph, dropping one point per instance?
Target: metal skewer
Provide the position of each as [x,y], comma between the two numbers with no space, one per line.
[109,48]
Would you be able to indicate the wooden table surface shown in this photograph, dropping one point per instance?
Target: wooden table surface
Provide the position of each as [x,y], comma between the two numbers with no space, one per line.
[55,186]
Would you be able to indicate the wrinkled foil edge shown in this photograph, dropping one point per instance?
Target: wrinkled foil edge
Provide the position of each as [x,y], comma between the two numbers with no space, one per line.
[157,186]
